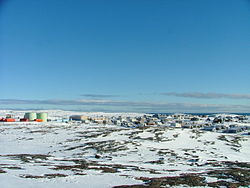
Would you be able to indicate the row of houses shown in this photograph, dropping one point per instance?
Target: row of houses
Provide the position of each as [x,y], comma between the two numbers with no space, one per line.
[220,122]
[204,122]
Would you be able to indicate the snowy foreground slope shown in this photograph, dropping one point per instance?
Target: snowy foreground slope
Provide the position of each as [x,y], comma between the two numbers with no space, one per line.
[64,155]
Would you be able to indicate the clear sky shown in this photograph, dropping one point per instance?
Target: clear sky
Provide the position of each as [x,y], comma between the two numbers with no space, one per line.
[125,55]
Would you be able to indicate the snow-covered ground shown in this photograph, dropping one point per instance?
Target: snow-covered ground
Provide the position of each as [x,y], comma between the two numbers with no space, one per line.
[55,154]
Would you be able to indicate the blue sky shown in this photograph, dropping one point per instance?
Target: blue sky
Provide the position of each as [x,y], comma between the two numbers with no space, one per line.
[126,55]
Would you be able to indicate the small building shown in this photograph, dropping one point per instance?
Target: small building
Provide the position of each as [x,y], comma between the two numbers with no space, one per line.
[209,128]
[218,120]
[194,119]
[189,126]
[232,130]
[175,124]
[78,118]
[24,120]
[9,120]
[151,122]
